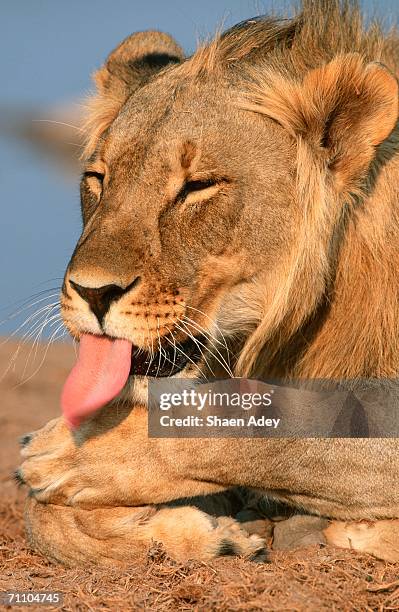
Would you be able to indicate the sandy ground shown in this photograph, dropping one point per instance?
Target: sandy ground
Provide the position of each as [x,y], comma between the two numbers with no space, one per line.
[315,579]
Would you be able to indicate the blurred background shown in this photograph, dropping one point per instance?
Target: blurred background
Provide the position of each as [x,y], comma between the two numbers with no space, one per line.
[48,50]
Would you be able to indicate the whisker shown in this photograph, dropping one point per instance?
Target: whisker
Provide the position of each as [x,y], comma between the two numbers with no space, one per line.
[151,348]
[75,127]
[186,356]
[206,331]
[13,359]
[150,351]
[197,342]
[221,362]
[163,353]
[52,339]
[38,336]
[36,324]
[41,316]
[24,301]
[27,307]
[50,322]
[174,347]
[210,337]
[166,355]
[212,321]
[159,344]
[38,314]
[50,280]
[202,329]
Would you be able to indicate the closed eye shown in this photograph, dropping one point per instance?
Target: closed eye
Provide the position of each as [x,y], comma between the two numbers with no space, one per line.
[93,174]
[197,191]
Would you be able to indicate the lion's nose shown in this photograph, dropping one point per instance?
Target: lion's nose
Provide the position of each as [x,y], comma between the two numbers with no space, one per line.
[100,298]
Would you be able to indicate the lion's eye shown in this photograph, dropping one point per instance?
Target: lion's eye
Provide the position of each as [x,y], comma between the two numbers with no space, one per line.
[94,181]
[196,191]
[199,185]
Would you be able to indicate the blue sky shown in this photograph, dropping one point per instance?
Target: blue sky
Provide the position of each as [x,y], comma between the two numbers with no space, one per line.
[48,49]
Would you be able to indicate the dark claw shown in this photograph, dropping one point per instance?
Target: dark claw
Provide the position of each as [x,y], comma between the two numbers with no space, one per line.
[34,492]
[227,548]
[24,440]
[19,479]
[261,556]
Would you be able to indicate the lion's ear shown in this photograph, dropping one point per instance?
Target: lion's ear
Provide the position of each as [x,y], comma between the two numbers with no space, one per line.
[127,68]
[134,61]
[347,108]
[343,110]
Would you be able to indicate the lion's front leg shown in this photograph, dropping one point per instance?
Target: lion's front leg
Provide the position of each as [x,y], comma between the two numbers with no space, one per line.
[120,535]
[110,461]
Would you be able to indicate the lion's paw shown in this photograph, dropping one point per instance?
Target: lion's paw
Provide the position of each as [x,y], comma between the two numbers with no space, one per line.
[54,469]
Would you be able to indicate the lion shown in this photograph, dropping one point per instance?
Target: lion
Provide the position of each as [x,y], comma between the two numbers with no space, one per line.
[240,219]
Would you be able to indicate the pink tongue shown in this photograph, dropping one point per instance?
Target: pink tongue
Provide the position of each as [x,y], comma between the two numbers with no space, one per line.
[99,375]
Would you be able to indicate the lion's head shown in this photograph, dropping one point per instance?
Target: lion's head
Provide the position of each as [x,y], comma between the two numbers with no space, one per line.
[217,189]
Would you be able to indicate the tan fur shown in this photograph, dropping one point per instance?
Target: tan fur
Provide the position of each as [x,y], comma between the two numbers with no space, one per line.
[380,539]
[286,257]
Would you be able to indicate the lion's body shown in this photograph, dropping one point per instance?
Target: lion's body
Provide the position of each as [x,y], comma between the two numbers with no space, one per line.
[251,191]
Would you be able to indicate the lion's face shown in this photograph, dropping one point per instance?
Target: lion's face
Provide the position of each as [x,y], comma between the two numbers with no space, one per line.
[212,198]
[186,199]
